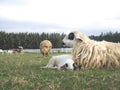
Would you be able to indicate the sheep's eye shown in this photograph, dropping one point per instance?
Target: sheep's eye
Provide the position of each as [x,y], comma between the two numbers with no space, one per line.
[66,65]
[71,36]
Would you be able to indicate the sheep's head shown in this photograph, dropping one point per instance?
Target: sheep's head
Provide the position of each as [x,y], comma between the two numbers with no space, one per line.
[69,66]
[69,40]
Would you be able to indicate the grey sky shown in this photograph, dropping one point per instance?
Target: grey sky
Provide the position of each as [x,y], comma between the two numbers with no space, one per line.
[89,16]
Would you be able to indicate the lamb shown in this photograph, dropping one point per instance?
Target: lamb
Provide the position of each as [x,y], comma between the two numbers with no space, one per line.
[45,47]
[61,62]
[89,53]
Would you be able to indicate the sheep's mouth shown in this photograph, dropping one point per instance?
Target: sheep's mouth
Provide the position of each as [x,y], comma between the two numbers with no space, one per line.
[65,46]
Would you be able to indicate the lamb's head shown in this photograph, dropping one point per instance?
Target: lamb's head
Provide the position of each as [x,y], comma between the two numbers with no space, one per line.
[69,65]
[69,40]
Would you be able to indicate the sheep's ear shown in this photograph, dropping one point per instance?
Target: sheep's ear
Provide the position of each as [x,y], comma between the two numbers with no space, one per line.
[77,37]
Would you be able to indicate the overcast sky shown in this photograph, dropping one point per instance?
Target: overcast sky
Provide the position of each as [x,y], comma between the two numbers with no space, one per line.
[89,16]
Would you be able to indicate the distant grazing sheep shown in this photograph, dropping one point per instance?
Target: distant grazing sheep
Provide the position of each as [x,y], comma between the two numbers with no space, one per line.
[88,53]
[18,50]
[61,62]
[1,51]
[45,47]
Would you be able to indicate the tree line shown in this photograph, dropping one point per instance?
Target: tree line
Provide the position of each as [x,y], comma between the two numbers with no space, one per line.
[32,40]
[109,36]
[28,40]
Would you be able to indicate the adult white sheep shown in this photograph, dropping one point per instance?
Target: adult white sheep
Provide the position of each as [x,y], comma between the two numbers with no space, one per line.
[45,47]
[61,62]
[88,53]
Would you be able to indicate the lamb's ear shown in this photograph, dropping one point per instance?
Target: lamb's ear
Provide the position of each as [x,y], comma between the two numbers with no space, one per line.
[77,37]
[75,66]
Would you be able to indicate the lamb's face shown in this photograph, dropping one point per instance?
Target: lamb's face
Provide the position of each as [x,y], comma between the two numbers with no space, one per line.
[70,65]
[70,39]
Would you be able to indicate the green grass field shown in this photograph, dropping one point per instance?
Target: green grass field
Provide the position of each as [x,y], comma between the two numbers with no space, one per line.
[23,72]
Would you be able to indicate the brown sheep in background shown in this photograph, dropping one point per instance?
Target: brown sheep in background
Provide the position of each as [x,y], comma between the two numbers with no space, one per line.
[89,53]
[45,47]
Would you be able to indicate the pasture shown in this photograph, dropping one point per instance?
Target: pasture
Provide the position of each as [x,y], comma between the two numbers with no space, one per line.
[23,72]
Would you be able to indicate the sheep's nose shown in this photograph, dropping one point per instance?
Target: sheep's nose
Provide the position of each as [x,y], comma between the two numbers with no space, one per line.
[63,43]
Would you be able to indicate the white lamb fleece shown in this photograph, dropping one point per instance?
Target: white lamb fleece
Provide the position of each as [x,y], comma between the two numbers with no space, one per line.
[59,61]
